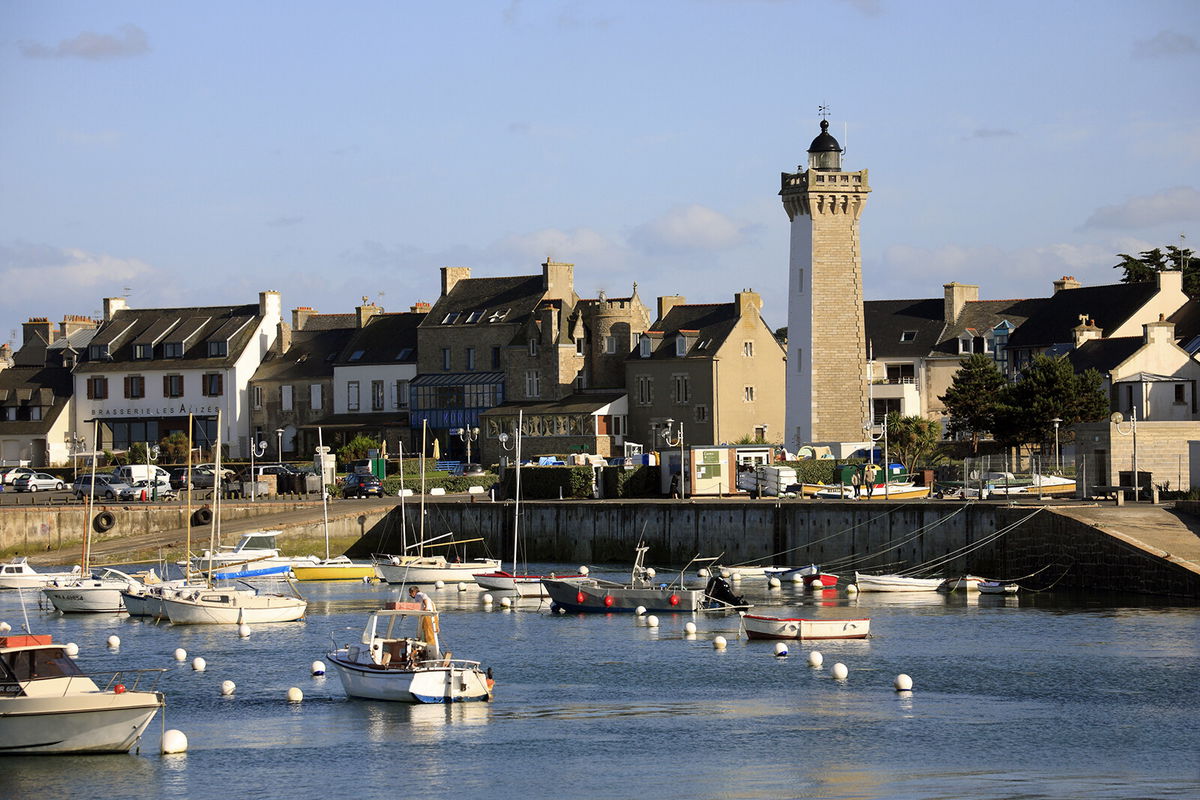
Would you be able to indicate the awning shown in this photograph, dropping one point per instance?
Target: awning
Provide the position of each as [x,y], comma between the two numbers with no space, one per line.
[458,379]
[572,404]
[353,421]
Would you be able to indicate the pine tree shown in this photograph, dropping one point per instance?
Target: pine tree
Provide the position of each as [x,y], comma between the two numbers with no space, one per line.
[973,397]
[1143,267]
[1048,389]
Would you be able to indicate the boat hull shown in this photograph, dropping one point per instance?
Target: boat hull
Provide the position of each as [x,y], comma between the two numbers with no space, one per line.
[997,587]
[255,609]
[143,605]
[450,572]
[86,599]
[448,684]
[333,572]
[762,627]
[592,596]
[895,583]
[100,722]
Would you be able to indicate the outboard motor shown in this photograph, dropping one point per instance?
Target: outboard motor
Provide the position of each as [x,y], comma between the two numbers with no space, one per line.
[719,589]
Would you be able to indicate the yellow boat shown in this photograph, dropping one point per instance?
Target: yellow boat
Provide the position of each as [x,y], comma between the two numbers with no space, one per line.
[334,569]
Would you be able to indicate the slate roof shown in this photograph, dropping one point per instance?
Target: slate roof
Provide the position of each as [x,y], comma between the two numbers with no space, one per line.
[1109,305]
[511,300]
[328,322]
[37,384]
[571,404]
[385,339]
[980,316]
[1104,354]
[310,356]
[887,321]
[1187,320]
[198,324]
[706,326]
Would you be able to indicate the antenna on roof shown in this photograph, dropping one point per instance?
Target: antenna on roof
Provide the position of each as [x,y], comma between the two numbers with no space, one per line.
[845,137]
[127,290]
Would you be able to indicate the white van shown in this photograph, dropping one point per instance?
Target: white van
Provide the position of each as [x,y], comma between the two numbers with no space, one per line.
[131,473]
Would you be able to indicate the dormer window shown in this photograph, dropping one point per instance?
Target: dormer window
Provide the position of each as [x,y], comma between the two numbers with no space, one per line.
[99,352]
[143,352]
[404,355]
[357,355]
[173,350]
[681,346]
[533,347]
[218,349]
[644,347]
[474,316]
[908,336]
[450,318]
[964,345]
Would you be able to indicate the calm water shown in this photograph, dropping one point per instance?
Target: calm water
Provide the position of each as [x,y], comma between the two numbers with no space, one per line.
[1042,696]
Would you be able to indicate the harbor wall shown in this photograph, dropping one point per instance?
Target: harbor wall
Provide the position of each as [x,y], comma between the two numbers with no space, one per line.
[1040,548]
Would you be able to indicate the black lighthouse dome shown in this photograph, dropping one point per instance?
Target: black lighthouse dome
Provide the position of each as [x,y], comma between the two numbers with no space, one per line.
[825,153]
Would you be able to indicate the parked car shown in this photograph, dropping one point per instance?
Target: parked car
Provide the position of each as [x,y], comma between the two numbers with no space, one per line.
[360,484]
[39,482]
[10,474]
[162,491]
[205,476]
[179,478]
[106,486]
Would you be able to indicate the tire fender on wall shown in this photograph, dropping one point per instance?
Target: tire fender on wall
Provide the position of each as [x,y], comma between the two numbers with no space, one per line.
[104,521]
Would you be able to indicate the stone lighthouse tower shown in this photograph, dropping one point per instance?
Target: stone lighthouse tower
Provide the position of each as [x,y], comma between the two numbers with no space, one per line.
[826,370]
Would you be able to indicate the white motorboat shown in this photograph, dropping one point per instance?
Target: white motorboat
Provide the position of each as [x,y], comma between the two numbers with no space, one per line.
[98,593]
[895,583]
[997,587]
[255,555]
[966,583]
[18,574]
[386,665]
[231,606]
[762,627]
[47,705]
[891,491]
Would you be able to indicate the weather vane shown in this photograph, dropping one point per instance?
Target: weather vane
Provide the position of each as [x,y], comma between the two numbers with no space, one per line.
[823,111]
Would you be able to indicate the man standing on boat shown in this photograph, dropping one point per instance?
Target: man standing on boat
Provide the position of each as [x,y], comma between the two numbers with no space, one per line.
[429,625]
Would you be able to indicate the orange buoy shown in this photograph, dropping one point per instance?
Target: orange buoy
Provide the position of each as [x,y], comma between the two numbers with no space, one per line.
[674,599]
[608,601]
[580,597]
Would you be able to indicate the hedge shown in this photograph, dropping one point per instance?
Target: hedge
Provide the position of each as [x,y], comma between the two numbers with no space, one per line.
[549,483]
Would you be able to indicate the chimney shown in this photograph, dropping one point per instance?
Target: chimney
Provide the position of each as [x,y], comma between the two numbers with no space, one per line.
[956,296]
[451,276]
[37,328]
[669,301]
[1066,282]
[749,303]
[1159,332]
[558,279]
[1170,281]
[420,307]
[270,305]
[112,305]
[300,316]
[283,342]
[363,313]
[72,323]
[6,355]
[1085,331]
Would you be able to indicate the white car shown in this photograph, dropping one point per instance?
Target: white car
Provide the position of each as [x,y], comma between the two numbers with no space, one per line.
[39,482]
[9,475]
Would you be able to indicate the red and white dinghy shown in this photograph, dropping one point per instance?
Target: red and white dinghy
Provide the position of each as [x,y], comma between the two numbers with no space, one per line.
[761,627]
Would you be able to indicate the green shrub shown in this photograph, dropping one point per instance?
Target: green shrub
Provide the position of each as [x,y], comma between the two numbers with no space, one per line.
[815,470]
[548,483]
[443,480]
[641,481]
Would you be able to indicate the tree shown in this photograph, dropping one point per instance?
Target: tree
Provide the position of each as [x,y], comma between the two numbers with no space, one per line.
[1144,266]
[1048,389]
[174,448]
[973,397]
[913,441]
[357,448]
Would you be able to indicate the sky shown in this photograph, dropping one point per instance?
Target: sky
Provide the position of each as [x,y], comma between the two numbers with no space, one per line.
[187,154]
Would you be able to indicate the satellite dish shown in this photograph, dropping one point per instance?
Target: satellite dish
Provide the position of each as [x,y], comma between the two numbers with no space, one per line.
[1116,418]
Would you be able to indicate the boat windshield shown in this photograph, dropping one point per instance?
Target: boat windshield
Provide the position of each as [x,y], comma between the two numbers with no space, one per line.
[35,664]
[257,543]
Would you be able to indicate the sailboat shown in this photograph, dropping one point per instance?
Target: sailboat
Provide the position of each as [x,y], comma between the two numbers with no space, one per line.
[206,604]
[330,569]
[421,568]
[501,580]
[89,592]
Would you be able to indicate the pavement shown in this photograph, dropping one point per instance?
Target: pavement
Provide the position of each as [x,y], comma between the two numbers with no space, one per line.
[1173,535]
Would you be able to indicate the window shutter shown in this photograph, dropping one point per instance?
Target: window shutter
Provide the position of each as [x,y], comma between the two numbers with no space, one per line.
[220,384]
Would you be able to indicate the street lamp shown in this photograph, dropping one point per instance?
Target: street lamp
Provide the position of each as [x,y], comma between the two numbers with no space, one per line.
[1057,453]
[1117,420]
[877,432]
[75,442]
[279,443]
[677,442]
[152,453]
[468,435]
[256,451]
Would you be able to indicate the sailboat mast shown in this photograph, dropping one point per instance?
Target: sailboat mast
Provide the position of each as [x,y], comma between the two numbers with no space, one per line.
[214,527]
[324,491]
[86,555]
[421,545]
[403,524]
[187,547]
[517,494]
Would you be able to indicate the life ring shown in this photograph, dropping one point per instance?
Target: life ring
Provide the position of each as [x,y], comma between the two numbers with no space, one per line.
[580,597]
[202,516]
[608,601]
[104,521]
[673,599]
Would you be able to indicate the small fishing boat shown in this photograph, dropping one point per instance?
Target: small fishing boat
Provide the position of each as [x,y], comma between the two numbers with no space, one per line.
[997,587]
[338,568]
[966,583]
[48,705]
[895,583]
[97,593]
[18,574]
[763,627]
[589,594]
[893,491]
[387,665]
[255,555]
[231,606]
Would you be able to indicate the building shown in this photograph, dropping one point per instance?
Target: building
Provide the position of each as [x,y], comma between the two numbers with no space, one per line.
[36,393]
[147,371]
[827,370]
[712,368]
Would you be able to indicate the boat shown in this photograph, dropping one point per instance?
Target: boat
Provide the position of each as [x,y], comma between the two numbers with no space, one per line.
[893,491]
[966,583]
[386,665]
[763,627]
[338,568]
[18,574]
[1006,484]
[997,587]
[98,593]
[589,594]
[255,555]
[895,583]
[48,705]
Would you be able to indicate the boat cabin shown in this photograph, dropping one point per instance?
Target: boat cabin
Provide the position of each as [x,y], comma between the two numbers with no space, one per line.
[28,662]
[385,647]
[258,540]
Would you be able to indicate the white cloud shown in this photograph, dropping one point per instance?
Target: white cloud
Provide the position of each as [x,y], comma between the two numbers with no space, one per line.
[1178,204]
[578,246]
[129,41]
[690,228]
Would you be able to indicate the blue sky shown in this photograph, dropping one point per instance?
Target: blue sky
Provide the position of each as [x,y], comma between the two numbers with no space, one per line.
[189,154]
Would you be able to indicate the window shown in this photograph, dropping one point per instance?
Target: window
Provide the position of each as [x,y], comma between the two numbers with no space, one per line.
[256,395]
[748,394]
[218,349]
[352,396]
[610,344]
[450,318]
[405,354]
[644,347]
[533,383]
[964,345]
[681,345]
[748,349]
[213,383]
[683,389]
[173,350]
[580,346]
[377,395]
[908,336]
[474,316]
[533,347]
[495,358]
[401,394]
[446,358]
[799,359]
[135,386]
[316,396]
[97,388]
[701,413]
[285,398]
[143,352]
[1180,393]
[645,389]
[901,373]
[470,358]
[98,352]
[357,355]
[172,386]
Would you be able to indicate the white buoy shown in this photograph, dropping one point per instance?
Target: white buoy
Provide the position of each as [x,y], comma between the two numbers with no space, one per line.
[583,570]
[227,688]
[725,573]
[703,572]
[815,659]
[173,741]
[439,584]
[317,668]
[487,599]
[72,649]
[506,602]
[774,583]
[839,671]
[719,643]
[199,664]
[114,641]
[736,575]
[639,611]
[903,683]
[5,627]
[852,589]
[652,621]
[797,577]
[650,572]
[781,650]
[690,628]
[462,587]
[243,630]
[294,695]
[180,654]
